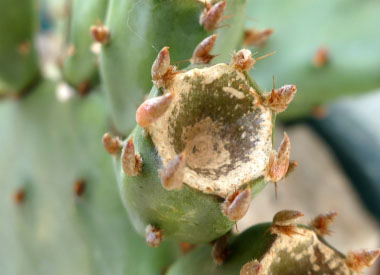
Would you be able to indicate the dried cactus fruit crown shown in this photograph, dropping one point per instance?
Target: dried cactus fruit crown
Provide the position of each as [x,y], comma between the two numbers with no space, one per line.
[214,118]
[203,137]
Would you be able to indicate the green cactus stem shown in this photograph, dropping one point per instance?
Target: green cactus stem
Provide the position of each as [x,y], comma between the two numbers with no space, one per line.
[328,56]
[139,29]
[61,213]
[202,149]
[18,55]
[81,65]
[278,248]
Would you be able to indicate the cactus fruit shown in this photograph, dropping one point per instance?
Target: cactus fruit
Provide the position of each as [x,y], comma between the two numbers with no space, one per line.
[18,57]
[139,29]
[81,65]
[281,247]
[328,56]
[204,136]
[61,212]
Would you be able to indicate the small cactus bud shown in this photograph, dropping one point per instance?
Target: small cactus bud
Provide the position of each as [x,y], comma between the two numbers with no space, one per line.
[322,222]
[83,88]
[130,161]
[212,15]
[357,260]
[153,236]
[219,251]
[24,48]
[172,174]
[279,99]
[236,205]
[161,65]
[79,187]
[112,145]
[162,72]
[152,109]
[286,217]
[284,222]
[99,33]
[251,268]
[256,38]
[279,162]
[19,196]
[186,247]
[242,60]
[201,54]
[320,57]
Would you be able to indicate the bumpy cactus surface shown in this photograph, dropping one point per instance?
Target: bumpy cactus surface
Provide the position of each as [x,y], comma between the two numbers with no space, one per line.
[202,148]
[328,48]
[139,29]
[201,151]
[59,206]
[18,57]
[281,247]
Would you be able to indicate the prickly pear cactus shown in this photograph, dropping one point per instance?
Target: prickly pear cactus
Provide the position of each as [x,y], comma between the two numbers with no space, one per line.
[81,65]
[328,56]
[202,148]
[281,247]
[61,211]
[139,29]
[18,57]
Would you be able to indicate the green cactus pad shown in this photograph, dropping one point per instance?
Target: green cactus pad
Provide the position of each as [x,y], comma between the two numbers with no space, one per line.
[302,253]
[80,67]
[300,27]
[139,29]
[60,226]
[215,118]
[18,56]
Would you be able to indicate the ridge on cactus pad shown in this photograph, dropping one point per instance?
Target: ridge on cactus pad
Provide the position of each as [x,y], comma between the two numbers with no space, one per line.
[202,150]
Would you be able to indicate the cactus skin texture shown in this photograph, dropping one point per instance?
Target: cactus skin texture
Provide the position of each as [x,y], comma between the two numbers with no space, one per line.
[81,65]
[18,56]
[350,64]
[61,212]
[210,128]
[261,250]
[138,30]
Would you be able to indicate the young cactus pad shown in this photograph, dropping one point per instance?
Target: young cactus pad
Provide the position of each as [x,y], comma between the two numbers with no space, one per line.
[277,248]
[202,149]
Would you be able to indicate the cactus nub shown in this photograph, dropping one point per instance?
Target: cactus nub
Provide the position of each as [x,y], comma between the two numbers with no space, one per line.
[219,250]
[243,60]
[153,236]
[360,259]
[112,145]
[162,72]
[99,33]
[19,196]
[279,162]
[130,161]
[284,222]
[251,268]
[212,15]
[79,187]
[322,222]
[320,57]
[236,205]
[152,109]
[172,174]
[279,99]
[257,38]
[201,54]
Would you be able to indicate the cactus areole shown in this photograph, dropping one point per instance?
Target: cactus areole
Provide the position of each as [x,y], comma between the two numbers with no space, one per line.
[205,135]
